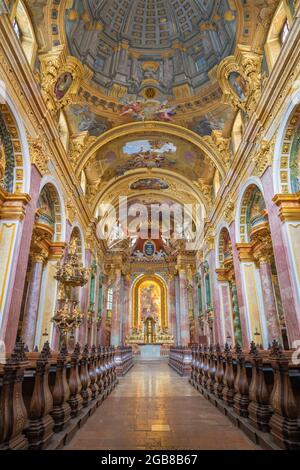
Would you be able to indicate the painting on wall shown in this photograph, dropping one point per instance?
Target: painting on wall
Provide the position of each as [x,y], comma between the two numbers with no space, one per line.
[63,85]
[217,120]
[46,212]
[256,210]
[149,301]
[82,119]
[149,183]
[154,146]
[145,160]
[239,85]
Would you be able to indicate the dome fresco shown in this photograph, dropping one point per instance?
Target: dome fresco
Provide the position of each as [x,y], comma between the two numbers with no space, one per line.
[164,43]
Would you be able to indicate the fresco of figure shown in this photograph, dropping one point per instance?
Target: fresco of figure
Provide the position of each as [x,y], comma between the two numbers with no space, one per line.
[63,85]
[239,85]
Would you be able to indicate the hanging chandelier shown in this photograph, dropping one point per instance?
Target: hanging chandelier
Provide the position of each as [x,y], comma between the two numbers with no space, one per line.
[70,274]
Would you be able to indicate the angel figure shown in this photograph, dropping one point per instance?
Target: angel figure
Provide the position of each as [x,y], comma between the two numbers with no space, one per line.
[166,114]
[132,109]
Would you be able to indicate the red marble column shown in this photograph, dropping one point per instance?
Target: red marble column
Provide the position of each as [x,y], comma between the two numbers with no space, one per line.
[17,282]
[116,312]
[269,301]
[227,315]
[184,310]
[288,294]
[32,303]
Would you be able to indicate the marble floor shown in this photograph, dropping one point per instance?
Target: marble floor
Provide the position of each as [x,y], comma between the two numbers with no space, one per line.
[153,408]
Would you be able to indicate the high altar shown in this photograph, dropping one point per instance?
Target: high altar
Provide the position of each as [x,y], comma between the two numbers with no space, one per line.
[149,312]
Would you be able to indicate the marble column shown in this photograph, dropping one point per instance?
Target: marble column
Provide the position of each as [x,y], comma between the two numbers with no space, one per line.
[32,303]
[18,272]
[102,332]
[184,310]
[172,305]
[213,298]
[285,274]
[83,293]
[196,311]
[126,309]
[241,300]
[227,335]
[236,314]
[116,311]
[269,301]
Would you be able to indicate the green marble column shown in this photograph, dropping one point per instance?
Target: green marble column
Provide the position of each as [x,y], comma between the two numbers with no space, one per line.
[236,314]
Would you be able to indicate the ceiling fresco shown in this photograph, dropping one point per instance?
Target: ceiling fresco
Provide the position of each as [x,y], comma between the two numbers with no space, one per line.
[82,119]
[124,64]
[127,42]
[116,160]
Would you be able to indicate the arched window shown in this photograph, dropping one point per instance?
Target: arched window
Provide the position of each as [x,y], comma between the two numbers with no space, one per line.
[237,131]
[63,130]
[277,35]
[83,181]
[24,30]
[284,32]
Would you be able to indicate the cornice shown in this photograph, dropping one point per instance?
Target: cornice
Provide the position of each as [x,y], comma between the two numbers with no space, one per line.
[26,93]
[263,122]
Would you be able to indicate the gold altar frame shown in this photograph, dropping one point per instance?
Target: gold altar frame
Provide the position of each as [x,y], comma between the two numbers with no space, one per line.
[135,298]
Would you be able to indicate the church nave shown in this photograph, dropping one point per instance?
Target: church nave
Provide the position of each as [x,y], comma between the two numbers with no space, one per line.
[153,408]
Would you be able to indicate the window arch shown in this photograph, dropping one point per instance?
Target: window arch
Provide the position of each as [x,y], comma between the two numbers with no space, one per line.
[237,131]
[277,35]
[11,155]
[289,160]
[24,30]
[63,130]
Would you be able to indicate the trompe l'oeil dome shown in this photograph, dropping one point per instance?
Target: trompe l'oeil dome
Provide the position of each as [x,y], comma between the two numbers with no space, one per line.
[185,39]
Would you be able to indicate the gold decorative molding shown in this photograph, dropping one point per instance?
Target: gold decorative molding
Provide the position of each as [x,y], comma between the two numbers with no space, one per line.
[229,210]
[71,210]
[38,155]
[246,65]
[13,206]
[222,145]
[78,143]
[245,252]
[289,206]
[207,192]
[53,65]
[263,157]
[209,239]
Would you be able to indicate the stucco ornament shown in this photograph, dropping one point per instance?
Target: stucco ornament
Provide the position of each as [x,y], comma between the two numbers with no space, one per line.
[60,78]
[240,79]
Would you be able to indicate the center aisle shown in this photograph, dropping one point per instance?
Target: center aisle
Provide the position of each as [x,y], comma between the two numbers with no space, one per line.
[153,408]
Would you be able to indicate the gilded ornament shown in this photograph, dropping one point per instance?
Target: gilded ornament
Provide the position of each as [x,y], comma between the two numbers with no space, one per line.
[38,155]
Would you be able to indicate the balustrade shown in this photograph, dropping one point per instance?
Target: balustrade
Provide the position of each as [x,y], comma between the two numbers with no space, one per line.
[45,397]
[258,389]
[123,360]
[180,359]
